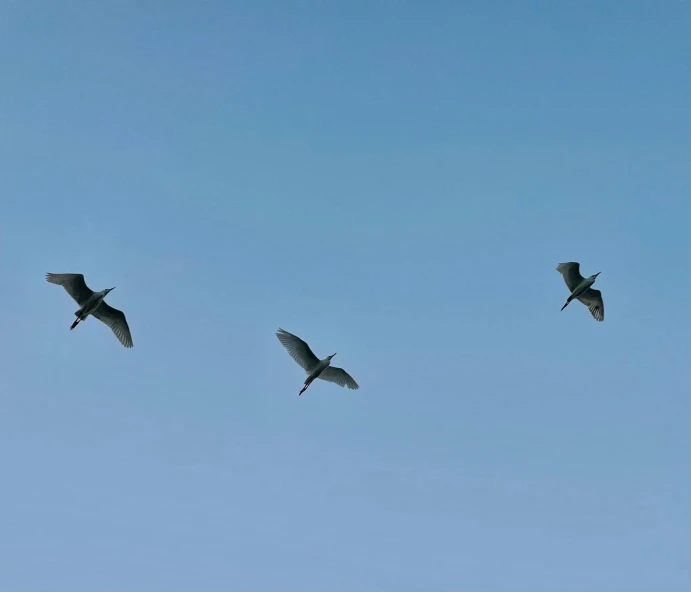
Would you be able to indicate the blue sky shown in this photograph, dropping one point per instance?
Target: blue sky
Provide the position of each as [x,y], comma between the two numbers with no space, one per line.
[395,182]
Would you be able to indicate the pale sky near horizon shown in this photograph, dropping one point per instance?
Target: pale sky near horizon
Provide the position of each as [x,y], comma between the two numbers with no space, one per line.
[395,182]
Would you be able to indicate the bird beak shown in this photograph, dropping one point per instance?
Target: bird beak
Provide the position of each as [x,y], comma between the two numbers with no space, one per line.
[333,355]
[598,273]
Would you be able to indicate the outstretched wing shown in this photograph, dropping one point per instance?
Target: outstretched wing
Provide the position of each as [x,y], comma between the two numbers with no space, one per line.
[572,274]
[116,320]
[593,300]
[73,283]
[298,350]
[339,376]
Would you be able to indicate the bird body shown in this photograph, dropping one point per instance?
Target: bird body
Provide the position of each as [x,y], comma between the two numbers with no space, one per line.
[320,367]
[315,368]
[92,303]
[316,372]
[581,290]
[582,287]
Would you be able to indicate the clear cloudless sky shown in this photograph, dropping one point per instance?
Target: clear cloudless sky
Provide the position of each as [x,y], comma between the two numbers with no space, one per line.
[392,181]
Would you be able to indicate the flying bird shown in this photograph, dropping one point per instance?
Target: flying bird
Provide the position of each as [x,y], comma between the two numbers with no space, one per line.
[581,290]
[92,303]
[315,368]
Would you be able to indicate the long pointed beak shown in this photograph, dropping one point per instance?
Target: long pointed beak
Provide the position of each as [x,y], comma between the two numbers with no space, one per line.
[598,273]
[333,355]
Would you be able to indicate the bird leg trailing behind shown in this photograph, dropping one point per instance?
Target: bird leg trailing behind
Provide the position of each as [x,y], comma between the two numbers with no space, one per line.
[307,383]
[80,317]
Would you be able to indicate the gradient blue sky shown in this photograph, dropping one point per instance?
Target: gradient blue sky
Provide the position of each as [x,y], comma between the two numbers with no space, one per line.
[395,182]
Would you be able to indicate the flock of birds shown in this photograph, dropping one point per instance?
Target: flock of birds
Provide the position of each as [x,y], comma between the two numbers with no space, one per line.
[93,303]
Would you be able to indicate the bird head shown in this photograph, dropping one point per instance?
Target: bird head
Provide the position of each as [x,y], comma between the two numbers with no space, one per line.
[331,356]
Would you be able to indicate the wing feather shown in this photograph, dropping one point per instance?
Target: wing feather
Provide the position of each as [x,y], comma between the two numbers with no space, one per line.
[116,320]
[73,283]
[339,376]
[593,300]
[571,273]
[298,350]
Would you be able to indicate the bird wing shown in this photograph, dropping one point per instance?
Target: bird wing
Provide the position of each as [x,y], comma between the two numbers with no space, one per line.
[298,350]
[593,300]
[74,284]
[339,376]
[572,274]
[116,320]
